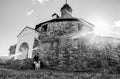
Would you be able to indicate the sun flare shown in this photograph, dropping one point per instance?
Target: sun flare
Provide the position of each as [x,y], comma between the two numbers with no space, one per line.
[102,24]
[101,30]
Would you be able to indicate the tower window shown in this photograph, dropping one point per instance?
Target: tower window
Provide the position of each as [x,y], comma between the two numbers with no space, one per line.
[80,26]
[44,28]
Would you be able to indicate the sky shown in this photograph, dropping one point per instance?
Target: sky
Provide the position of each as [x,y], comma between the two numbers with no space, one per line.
[16,14]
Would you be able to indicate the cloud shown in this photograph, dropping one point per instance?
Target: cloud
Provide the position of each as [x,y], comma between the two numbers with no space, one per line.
[40,1]
[34,2]
[117,23]
[30,12]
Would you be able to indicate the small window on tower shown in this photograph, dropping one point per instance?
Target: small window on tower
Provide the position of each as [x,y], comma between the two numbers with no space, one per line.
[80,26]
[44,28]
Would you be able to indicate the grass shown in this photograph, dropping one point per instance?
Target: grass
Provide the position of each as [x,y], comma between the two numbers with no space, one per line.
[52,74]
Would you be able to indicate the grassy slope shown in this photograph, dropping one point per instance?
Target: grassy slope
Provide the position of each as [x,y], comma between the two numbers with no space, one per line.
[50,74]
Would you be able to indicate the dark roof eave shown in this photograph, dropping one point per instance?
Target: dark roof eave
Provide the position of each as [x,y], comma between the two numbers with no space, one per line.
[56,20]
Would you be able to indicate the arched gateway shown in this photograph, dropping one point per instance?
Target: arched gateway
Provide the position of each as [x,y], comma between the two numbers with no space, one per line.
[23,50]
[25,43]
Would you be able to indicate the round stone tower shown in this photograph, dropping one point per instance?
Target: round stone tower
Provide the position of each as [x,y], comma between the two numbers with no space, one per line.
[66,11]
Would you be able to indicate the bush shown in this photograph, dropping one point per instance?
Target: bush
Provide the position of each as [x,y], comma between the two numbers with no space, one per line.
[27,64]
[13,64]
[114,70]
[2,62]
[20,64]
[112,62]
[94,63]
[8,62]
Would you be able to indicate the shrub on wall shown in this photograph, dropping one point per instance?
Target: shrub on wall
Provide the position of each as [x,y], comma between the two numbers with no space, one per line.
[73,54]
[70,58]
[66,57]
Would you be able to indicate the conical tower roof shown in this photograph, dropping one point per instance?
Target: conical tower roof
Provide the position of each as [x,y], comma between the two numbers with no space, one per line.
[66,7]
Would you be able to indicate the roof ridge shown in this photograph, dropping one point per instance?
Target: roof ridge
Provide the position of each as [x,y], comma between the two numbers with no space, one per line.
[24,29]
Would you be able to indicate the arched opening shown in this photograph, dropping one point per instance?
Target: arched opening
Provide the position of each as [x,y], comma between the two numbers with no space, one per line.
[23,50]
